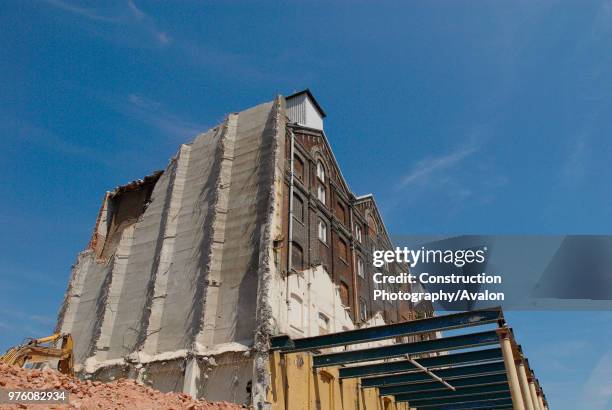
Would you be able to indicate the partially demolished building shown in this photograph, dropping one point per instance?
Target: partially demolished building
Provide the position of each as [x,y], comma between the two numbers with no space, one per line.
[251,231]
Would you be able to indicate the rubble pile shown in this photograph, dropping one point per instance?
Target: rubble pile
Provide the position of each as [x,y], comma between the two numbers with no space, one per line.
[119,394]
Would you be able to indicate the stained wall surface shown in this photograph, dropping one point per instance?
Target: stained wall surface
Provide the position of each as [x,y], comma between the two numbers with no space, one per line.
[182,274]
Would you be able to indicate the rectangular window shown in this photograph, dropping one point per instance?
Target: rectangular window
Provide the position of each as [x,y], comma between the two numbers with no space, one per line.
[363,309]
[360,267]
[342,250]
[297,257]
[321,192]
[322,231]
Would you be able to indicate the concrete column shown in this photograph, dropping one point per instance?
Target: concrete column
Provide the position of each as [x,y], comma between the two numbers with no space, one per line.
[541,401]
[513,381]
[192,375]
[534,396]
[166,253]
[522,374]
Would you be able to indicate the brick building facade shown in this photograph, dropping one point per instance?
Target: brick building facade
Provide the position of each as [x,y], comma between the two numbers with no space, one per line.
[331,226]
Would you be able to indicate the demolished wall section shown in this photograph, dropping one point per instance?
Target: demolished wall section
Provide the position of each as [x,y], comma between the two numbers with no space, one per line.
[188,262]
[140,303]
[247,214]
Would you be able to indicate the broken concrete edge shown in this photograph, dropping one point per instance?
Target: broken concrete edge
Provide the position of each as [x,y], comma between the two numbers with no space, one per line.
[264,330]
[95,237]
[152,178]
[69,289]
[92,365]
[199,316]
[150,288]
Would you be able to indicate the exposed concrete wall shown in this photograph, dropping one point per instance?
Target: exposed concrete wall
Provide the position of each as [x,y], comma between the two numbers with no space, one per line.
[313,293]
[83,301]
[180,278]
[247,214]
[226,377]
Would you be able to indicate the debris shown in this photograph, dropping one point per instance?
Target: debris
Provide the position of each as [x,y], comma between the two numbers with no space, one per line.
[119,394]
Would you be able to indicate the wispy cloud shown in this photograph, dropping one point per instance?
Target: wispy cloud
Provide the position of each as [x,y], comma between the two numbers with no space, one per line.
[89,13]
[127,24]
[597,390]
[456,177]
[426,170]
[123,23]
[153,114]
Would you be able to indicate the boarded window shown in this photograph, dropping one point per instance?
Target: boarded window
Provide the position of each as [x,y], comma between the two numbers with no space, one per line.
[323,324]
[297,257]
[298,167]
[342,250]
[298,208]
[296,313]
[341,212]
[344,294]
[372,226]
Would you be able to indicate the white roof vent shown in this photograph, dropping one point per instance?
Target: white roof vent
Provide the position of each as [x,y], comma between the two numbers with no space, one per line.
[303,108]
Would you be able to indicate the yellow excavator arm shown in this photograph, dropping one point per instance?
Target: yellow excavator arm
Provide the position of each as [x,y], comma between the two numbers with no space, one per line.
[42,350]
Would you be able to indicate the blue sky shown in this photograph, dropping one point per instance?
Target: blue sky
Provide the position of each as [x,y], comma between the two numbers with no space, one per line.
[474,117]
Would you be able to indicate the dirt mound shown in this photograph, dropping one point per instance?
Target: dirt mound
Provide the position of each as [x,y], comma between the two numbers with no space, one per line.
[119,394]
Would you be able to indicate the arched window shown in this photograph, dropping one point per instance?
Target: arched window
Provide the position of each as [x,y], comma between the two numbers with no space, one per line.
[358,235]
[321,192]
[363,309]
[320,171]
[322,228]
[360,267]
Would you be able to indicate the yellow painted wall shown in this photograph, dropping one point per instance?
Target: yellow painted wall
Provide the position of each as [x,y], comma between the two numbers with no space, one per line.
[294,386]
